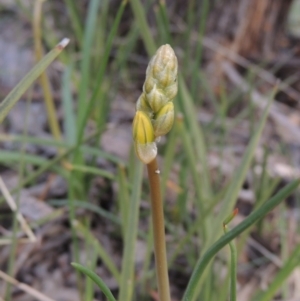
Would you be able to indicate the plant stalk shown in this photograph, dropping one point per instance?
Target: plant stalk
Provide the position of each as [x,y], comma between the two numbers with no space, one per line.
[158,232]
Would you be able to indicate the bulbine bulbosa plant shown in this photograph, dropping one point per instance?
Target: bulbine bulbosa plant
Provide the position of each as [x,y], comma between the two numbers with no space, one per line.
[154,117]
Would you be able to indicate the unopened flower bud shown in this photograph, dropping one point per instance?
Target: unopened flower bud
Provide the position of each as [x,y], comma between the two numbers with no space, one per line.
[171,91]
[161,78]
[156,99]
[143,136]
[163,120]
[143,105]
[164,65]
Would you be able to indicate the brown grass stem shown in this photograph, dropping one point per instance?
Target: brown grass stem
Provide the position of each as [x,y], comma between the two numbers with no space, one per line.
[158,232]
[44,80]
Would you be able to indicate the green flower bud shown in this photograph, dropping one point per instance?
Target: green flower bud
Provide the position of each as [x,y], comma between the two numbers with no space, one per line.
[142,105]
[156,99]
[143,136]
[164,65]
[149,84]
[171,91]
[161,78]
[163,120]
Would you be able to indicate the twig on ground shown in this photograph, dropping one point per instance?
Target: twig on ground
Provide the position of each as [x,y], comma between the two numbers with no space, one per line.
[24,287]
[11,203]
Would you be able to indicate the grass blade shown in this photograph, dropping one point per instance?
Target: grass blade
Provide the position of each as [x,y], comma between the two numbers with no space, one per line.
[89,237]
[139,14]
[106,291]
[290,265]
[86,60]
[70,127]
[193,287]
[11,99]
[82,119]
[239,178]
[127,276]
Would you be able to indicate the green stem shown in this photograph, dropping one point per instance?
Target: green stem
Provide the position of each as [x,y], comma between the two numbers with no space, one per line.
[158,232]
[233,267]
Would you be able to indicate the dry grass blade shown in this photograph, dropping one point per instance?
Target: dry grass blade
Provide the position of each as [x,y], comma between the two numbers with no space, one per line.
[12,204]
[8,241]
[24,287]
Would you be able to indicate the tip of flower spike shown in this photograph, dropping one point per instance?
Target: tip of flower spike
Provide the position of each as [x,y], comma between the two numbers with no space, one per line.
[166,49]
[165,54]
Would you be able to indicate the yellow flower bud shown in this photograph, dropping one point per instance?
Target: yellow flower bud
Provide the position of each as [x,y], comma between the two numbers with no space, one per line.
[143,136]
[163,120]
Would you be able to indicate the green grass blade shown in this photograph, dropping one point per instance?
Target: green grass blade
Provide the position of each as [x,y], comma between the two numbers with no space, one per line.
[70,127]
[239,178]
[50,164]
[281,276]
[100,75]
[89,237]
[61,144]
[11,99]
[127,276]
[8,157]
[123,197]
[75,19]
[89,206]
[197,134]
[93,170]
[199,50]
[139,14]
[86,60]
[169,155]
[106,291]
[193,287]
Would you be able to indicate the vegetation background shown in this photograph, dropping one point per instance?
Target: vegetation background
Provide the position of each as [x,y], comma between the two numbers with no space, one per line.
[67,159]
